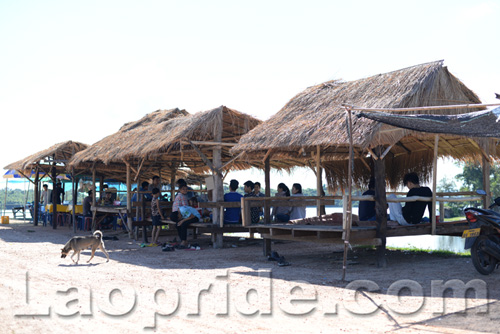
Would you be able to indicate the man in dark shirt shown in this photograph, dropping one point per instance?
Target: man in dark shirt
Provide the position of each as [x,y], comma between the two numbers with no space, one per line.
[366,209]
[87,203]
[414,211]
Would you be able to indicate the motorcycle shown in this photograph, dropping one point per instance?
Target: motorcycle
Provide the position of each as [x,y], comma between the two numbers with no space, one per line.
[483,237]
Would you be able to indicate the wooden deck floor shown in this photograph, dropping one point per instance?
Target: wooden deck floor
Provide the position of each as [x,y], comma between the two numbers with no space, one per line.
[364,235]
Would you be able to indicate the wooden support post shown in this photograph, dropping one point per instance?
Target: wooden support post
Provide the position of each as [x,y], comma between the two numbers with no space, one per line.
[172,183]
[74,183]
[94,201]
[267,192]
[486,182]
[36,205]
[129,202]
[319,183]
[55,195]
[218,218]
[380,207]
[434,183]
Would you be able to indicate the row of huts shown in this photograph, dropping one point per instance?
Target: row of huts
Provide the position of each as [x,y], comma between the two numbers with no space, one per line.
[314,129]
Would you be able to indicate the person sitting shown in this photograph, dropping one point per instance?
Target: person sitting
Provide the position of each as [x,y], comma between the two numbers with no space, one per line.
[297,212]
[107,199]
[142,192]
[190,194]
[282,213]
[366,209]
[180,200]
[412,212]
[232,215]
[256,190]
[186,215]
[254,211]
[87,204]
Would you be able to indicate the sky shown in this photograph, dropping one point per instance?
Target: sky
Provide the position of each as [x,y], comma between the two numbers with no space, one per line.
[79,70]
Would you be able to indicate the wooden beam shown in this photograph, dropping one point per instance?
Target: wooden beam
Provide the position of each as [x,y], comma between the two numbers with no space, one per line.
[268,154]
[214,169]
[139,170]
[380,209]
[231,161]
[374,156]
[485,155]
[208,143]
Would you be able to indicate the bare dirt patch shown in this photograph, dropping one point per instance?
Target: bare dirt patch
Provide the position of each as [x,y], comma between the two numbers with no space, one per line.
[234,289]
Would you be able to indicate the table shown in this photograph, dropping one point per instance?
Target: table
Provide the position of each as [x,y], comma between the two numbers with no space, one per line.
[108,210]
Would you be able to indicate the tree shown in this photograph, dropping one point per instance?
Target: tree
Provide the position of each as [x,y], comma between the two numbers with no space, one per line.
[472,178]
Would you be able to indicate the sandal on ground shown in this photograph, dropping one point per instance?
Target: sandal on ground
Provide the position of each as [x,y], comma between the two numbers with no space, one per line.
[282,262]
[273,257]
[168,249]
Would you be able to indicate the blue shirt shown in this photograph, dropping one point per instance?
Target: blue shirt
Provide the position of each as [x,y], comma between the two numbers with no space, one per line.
[232,215]
[187,211]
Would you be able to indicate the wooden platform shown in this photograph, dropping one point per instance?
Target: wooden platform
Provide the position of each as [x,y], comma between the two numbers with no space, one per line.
[197,228]
[360,235]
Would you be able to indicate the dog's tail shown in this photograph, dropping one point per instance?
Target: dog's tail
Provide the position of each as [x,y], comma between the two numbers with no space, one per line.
[97,232]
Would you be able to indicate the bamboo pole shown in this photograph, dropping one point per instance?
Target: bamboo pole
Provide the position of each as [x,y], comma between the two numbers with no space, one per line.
[54,196]
[94,202]
[347,229]
[380,207]
[218,193]
[129,201]
[319,184]
[434,183]
[267,191]
[486,182]
[36,204]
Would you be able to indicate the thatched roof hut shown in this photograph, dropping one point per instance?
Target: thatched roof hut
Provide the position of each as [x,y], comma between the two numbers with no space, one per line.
[59,154]
[109,154]
[174,139]
[316,118]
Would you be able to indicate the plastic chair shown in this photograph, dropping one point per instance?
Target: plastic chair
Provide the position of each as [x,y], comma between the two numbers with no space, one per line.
[84,223]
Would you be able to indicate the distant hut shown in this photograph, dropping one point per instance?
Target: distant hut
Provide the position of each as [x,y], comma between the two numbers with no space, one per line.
[49,162]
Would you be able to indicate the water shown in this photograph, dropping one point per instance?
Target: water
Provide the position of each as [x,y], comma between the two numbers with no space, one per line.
[427,242]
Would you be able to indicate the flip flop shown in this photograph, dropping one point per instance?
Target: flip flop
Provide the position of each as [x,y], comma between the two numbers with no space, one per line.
[282,262]
[273,257]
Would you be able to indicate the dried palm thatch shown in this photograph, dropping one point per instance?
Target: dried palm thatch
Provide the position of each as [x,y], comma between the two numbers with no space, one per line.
[315,117]
[173,139]
[58,154]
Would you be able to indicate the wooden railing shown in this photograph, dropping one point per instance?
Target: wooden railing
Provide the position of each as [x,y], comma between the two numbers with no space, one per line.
[293,201]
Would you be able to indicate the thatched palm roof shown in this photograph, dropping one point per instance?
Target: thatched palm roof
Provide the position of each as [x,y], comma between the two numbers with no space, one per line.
[59,153]
[173,139]
[315,117]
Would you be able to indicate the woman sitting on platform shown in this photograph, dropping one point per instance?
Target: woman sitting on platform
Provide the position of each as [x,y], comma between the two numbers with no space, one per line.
[282,213]
[298,212]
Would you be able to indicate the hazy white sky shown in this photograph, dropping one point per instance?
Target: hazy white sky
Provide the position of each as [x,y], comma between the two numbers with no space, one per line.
[78,70]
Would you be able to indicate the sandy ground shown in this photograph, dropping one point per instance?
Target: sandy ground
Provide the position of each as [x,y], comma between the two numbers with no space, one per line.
[235,289]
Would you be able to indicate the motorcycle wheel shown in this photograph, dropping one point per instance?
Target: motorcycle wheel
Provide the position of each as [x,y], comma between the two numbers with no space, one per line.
[483,262]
